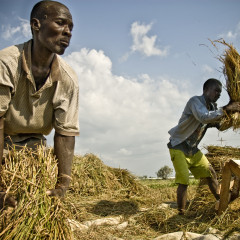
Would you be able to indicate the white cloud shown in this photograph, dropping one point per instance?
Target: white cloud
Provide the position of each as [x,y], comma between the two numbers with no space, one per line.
[124,151]
[207,69]
[15,33]
[232,34]
[143,43]
[125,121]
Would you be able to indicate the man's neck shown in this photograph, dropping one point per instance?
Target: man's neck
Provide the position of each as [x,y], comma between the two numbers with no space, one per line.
[41,58]
[208,102]
[41,61]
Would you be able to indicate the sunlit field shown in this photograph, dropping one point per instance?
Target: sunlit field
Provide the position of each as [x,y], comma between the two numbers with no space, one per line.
[106,203]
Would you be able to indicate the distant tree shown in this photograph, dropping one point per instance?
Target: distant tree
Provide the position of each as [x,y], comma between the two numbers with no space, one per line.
[143,177]
[164,172]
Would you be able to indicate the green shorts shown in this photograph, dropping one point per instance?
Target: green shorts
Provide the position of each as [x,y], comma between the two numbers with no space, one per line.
[197,164]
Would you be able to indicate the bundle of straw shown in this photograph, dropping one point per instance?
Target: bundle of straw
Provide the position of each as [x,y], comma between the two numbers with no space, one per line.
[92,177]
[231,70]
[203,205]
[218,156]
[27,175]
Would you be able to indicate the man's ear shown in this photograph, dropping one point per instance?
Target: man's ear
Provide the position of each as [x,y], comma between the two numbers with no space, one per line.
[35,24]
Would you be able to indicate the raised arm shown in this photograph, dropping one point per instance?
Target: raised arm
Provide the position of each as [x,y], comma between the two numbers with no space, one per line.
[232,107]
[201,113]
[229,108]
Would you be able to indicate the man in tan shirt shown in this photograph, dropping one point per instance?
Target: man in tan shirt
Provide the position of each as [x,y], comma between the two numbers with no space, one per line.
[39,91]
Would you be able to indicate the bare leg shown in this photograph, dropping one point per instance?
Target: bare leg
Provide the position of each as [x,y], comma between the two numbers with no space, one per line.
[181,198]
[213,183]
[235,188]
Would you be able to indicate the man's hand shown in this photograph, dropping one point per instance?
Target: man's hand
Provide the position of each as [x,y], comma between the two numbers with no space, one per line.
[232,107]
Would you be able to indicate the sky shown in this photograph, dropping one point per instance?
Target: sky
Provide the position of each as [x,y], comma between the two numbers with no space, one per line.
[138,63]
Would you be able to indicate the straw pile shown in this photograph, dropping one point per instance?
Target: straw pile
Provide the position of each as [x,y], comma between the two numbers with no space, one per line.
[92,177]
[231,70]
[203,205]
[217,156]
[27,175]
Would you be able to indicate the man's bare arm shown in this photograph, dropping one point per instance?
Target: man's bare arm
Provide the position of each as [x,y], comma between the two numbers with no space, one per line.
[64,151]
[5,199]
[1,139]
[232,107]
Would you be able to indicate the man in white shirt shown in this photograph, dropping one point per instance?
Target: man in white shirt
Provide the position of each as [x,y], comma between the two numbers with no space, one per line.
[200,113]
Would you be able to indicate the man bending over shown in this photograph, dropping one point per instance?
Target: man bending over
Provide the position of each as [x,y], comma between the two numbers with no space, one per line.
[39,91]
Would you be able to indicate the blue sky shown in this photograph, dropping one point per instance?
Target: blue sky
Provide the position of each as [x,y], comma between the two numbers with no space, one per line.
[138,62]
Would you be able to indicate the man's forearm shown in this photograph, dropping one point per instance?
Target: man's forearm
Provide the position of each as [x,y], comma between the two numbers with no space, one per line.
[202,114]
[1,139]
[64,151]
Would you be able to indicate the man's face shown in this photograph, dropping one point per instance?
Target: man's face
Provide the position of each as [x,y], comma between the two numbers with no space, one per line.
[213,93]
[55,30]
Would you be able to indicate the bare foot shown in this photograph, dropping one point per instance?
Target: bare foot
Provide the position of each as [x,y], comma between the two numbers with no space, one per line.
[57,192]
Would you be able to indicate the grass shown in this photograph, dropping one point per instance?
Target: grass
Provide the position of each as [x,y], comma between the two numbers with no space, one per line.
[161,183]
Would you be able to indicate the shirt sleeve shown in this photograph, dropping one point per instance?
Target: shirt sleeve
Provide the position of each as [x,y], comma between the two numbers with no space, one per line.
[5,88]
[202,114]
[66,109]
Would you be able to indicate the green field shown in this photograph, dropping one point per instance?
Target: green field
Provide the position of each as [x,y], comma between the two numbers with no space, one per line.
[161,183]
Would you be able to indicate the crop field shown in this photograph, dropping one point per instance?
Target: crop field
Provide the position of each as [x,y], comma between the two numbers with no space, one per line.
[106,203]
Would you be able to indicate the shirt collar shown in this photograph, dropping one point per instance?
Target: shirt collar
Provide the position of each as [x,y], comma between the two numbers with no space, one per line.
[55,73]
[212,105]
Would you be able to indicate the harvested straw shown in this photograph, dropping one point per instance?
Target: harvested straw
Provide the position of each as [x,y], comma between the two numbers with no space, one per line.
[27,175]
[217,156]
[92,177]
[203,205]
[231,70]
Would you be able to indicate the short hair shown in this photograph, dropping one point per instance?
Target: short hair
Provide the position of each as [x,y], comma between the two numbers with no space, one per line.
[40,9]
[210,82]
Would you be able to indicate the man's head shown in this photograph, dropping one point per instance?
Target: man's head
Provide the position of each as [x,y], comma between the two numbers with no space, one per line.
[51,25]
[212,89]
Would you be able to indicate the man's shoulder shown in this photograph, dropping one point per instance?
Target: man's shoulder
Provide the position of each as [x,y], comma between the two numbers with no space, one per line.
[11,53]
[196,99]
[67,70]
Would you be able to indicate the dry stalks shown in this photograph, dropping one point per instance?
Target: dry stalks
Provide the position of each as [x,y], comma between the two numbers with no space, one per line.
[92,177]
[231,70]
[99,191]
[27,175]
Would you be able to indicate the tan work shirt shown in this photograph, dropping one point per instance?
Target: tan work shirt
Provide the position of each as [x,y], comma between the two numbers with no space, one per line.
[28,112]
